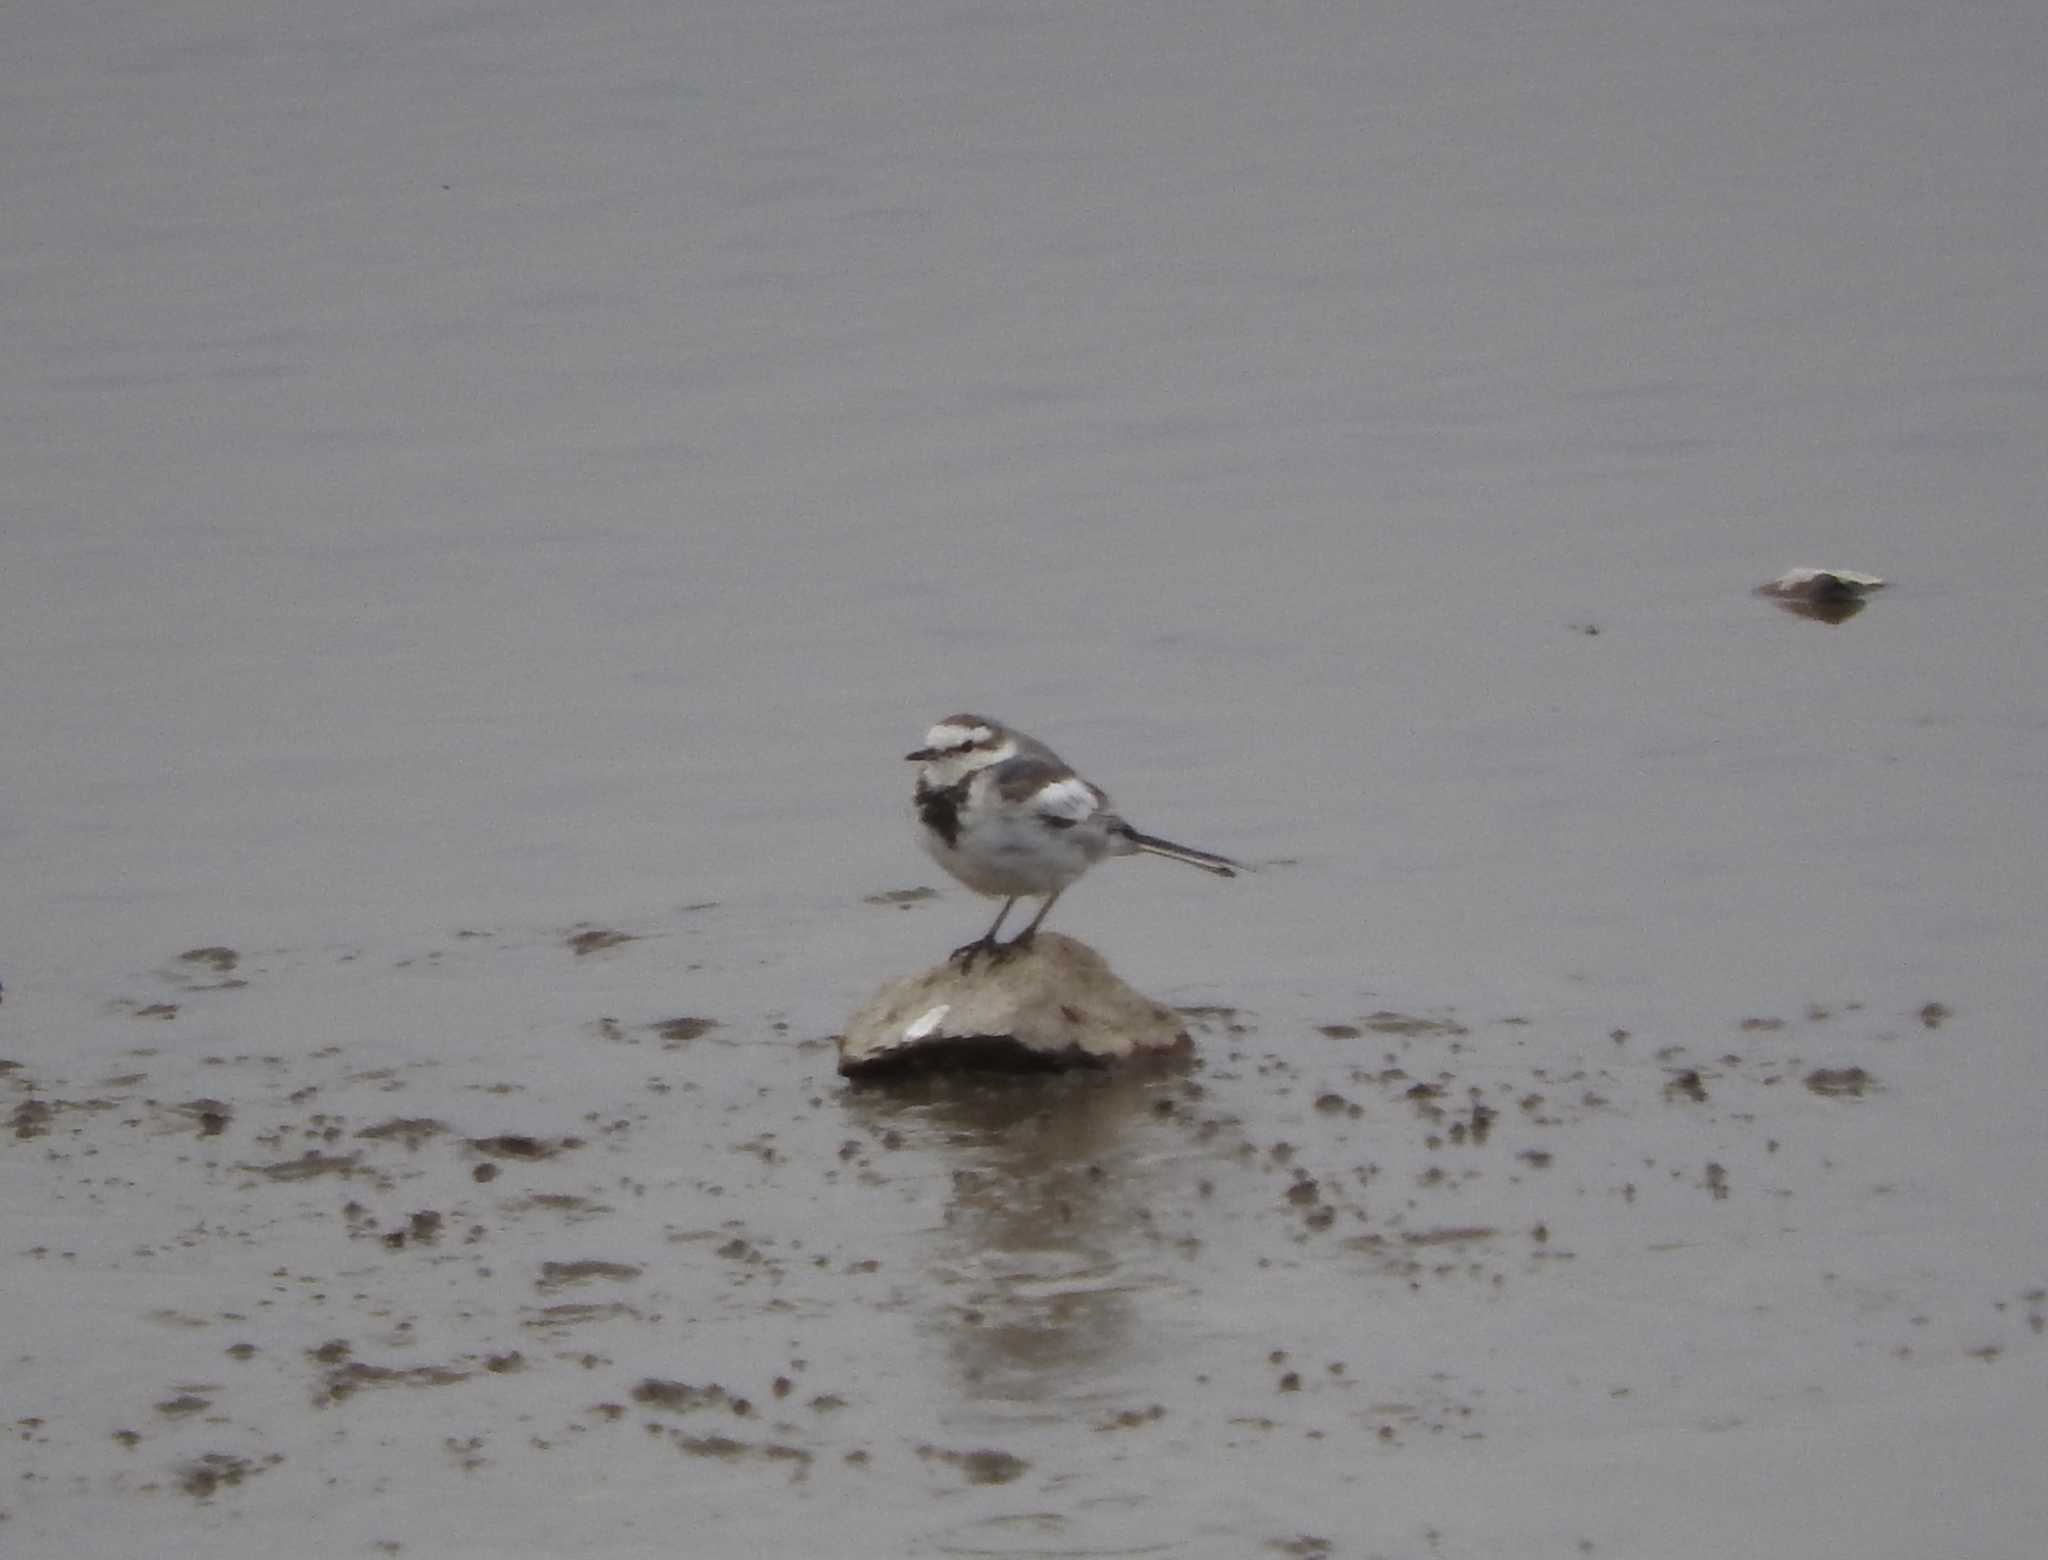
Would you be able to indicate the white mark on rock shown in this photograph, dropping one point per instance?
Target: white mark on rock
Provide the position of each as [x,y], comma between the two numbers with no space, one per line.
[928,1021]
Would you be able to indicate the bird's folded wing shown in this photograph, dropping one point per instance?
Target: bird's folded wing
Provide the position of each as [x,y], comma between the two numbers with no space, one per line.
[1051,790]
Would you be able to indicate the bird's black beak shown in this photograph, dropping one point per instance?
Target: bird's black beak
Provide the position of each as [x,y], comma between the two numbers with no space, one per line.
[922,755]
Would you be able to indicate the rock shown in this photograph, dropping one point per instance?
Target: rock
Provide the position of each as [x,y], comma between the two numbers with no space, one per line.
[1053,1006]
[1821,584]
[1829,595]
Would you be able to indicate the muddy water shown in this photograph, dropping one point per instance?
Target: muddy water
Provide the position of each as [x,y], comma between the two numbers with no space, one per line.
[518,1280]
[494,494]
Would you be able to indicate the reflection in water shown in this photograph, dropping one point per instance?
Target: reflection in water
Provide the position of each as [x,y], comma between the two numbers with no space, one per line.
[1030,1277]
[1827,609]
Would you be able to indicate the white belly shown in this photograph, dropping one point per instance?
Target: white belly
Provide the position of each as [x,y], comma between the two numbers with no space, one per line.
[1016,856]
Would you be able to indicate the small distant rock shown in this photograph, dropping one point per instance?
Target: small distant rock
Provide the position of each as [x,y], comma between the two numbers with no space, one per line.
[1807,584]
[1825,595]
[1055,1005]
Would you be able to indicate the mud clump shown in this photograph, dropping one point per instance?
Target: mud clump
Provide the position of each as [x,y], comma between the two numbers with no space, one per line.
[678,1031]
[575,1206]
[345,1380]
[1390,1023]
[1306,1546]
[576,1313]
[207,1475]
[1840,1082]
[412,1131]
[210,1116]
[1134,1418]
[517,1145]
[553,1275]
[901,898]
[1687,1085]
[713,1446]
[1456,1235]
[191,968]
[596,939]
[31,1119]
[308,1166]
[679,1397]
[983,1466]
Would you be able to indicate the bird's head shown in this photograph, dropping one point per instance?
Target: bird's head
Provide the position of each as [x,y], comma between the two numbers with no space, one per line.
[961,744]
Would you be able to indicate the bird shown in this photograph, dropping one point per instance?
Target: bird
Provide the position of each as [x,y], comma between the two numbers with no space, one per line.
[1010,818]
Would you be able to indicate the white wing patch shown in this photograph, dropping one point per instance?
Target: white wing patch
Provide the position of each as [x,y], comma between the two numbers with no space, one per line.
[1071,799]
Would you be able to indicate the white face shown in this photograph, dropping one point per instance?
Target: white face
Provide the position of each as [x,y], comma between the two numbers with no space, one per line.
[946,737]
[961,744]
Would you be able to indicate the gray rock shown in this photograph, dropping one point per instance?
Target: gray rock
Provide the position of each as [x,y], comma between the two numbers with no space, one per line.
[1055,1005]
[1809,584]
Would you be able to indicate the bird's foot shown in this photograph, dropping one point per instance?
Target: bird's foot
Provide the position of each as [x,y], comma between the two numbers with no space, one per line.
[965,954]
[987,947]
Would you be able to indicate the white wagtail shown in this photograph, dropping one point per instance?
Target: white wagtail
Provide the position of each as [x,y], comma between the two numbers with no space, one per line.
[1009,818]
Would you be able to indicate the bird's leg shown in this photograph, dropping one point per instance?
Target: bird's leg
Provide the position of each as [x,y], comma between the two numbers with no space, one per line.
[986,943]
[1022,940]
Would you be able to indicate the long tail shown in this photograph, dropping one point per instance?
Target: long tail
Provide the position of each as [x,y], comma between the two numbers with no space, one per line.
[1222,866]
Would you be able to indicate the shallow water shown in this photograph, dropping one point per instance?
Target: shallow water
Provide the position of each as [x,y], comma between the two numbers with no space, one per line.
[481,477]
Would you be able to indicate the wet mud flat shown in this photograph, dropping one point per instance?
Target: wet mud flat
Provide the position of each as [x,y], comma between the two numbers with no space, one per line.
[360,1233]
